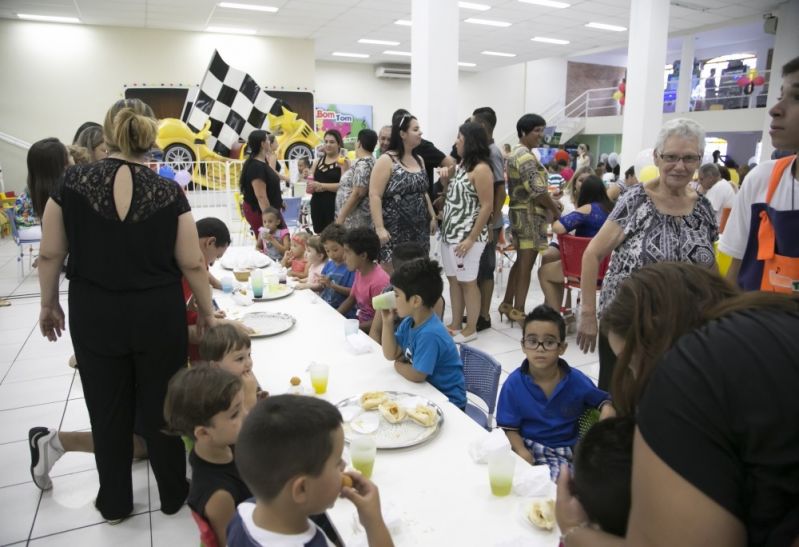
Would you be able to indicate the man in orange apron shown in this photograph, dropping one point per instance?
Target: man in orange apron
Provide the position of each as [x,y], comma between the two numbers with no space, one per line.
[762,233]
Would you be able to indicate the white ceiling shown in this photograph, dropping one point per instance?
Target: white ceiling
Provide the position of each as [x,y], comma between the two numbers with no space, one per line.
[336,25]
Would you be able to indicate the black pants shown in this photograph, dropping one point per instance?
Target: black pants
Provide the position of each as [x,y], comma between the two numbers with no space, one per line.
[607,362]
[129,345]
[323,210]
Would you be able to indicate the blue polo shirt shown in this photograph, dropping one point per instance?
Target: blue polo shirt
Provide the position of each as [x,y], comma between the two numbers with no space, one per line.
[523,406]
[340,275]
[430,349]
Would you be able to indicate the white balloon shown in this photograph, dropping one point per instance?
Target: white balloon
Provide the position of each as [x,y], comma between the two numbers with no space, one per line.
[603,157]
[613,160]
[643,159]
[752,161]
[183,178]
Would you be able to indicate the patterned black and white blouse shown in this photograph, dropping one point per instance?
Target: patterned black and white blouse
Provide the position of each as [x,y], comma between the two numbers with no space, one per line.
[461,210]
[651,236]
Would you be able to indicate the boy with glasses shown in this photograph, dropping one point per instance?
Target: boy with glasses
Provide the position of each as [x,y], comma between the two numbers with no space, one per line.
[541,401]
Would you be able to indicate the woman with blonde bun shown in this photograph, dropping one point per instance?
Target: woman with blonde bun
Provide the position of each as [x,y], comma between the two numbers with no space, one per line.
[130,237]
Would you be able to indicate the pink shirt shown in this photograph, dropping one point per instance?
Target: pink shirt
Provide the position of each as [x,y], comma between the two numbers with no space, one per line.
[367,286]
[315,271]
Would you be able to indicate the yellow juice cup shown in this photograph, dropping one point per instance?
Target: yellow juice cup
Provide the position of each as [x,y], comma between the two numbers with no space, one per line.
[500,472]
[363,450]
[319,374]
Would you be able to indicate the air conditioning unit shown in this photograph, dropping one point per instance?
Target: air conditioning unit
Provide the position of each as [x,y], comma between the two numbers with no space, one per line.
[387,71]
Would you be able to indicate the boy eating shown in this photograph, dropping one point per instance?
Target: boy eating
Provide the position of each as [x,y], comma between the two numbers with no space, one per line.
[421,347]
[541,401]
[335,279]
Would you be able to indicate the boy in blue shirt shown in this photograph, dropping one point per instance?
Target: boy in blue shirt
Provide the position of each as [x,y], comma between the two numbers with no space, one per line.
[336,279]
[541,401]
[421,347]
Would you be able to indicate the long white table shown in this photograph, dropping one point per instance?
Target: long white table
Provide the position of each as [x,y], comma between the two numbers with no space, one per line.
[439,494]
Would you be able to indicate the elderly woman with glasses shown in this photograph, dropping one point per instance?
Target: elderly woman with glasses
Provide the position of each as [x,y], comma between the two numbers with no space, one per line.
[662,220]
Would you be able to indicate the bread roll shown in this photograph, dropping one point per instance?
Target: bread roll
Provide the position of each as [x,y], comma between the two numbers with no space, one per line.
[372,399]
[423,415]
[392,412]
[542,514]
[346,481]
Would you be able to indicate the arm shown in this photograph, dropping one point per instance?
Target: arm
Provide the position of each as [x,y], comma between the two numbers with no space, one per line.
[517,444]
[366,498]
[571,221]
[219,510]
[328,186]
[388,339]
[282,244]
[608,238]
[347,305]
[215,283]
[377,185]
[52,250]
[407,371]
[500,193]
[358,193]
[432,213]
[545,200]
[259,187]
[192,264]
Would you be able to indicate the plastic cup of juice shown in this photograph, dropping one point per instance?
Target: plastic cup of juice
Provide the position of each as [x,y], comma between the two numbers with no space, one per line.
[319,374]
[257,282]
[362,453]
[500,472]
[385,301]
[227,284]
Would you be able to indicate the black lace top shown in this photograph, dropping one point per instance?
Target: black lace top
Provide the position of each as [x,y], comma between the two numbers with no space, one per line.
[136,253]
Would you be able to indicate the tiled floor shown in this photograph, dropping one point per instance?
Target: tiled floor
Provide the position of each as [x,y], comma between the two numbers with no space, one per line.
[37,388]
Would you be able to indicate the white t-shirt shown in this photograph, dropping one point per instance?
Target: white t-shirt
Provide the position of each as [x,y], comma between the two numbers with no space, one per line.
[272,539]
[786,197]
[721,196]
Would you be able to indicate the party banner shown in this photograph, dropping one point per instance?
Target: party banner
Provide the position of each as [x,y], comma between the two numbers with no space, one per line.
[348,119]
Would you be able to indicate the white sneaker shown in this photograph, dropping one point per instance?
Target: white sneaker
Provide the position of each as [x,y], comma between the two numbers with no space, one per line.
[43,455]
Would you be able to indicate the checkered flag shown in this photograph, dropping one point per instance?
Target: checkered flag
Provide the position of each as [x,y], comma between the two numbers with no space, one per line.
[234,103]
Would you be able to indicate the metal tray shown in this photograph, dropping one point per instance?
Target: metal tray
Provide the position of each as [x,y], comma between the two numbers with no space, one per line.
[402,435]
[281,292]
[267,323]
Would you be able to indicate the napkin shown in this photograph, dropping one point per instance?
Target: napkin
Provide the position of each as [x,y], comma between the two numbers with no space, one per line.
[496,440]
[533,481]
[242,299]
[359,343]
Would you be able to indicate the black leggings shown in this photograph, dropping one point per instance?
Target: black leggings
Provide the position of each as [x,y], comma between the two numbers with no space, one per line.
[129,344]
[323,210]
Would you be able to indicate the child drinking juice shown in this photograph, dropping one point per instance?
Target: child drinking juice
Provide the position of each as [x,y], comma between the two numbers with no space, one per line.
[273,237]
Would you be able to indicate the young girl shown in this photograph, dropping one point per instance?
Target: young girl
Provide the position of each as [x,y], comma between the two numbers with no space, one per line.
[317,258]
[361,247]
[295,259]
[205,404]
[273,237]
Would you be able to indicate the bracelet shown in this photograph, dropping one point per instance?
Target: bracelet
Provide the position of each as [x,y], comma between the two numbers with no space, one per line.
[564,536]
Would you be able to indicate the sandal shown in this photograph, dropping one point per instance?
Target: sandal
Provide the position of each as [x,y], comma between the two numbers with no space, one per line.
[516,316]
[504,309]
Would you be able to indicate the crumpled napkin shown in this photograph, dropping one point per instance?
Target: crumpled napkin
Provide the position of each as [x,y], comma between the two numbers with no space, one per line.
[533,481]
[359,343]
[242,299]
[496,440]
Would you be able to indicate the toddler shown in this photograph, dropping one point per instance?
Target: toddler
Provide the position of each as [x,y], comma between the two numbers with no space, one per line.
[361,247]
[295,259]
[317,258]
[273,237]
[336,280]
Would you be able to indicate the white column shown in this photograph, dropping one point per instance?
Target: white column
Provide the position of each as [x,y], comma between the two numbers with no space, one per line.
[684,84]
[786,47]
[434,69]
[646,53]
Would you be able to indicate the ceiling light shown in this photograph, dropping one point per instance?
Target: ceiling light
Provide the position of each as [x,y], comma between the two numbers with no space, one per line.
[347,54]
[488,22]
[48,18]
[400,53]
[547,3]
[229,30]
[549,40]
[603,26]
[468,65]
[498,54]
[251,7]
[472,5]
[378,42]
[403,22]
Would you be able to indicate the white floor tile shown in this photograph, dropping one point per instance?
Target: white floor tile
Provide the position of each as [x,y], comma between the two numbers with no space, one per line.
[16,464]
[17,335]
[9,351]
[176,530]
[70,504]
[15,423]
[34,392]
[76,417]
[133,532]
[76,392]
[34,369]
[19,509]
[493,342]
[39,347]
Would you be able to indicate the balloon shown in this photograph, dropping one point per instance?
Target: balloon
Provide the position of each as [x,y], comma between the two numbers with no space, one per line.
[167,172]
[644,158]
[622,87]
[752,161]
[617,95]
[621,101]
[603,157]
[650,172]
[183,178]
[743,81]
[759,80]
[613,160]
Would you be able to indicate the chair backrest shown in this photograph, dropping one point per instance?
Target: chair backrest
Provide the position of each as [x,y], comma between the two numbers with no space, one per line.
[12,223]
[292,212]
[571,259]
[207,535]
[482,375]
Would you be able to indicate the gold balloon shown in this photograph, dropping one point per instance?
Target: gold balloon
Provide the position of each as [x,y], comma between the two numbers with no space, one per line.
[649,172]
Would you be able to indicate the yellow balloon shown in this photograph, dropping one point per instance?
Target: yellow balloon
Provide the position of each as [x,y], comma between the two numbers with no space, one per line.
[649,172]
[617,95]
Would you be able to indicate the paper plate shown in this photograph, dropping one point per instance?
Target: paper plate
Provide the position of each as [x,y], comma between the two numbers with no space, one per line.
[267,323]
[281,291]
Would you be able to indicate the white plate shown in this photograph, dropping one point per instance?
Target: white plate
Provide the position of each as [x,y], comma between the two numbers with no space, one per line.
[267,323]
[244,259]
[401,435]
[365,423]
[523,512]
[281,291]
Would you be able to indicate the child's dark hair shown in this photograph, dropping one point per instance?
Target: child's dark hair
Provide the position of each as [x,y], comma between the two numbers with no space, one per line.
[333,232]
[368,139]
[282,437]
[405,252]
[315,243]
[195,395]
[592,190]
[304,159]
[363,240]
[549,315]
[222,339]
[602,473]
[278,214]
[420,277]
[213,227]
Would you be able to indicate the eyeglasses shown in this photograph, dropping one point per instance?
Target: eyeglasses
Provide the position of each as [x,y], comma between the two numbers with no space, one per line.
[534,343]
[690,159]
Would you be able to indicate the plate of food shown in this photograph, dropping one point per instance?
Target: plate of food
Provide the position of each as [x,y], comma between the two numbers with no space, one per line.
[396,419]
[274,292]
[538,513]
[267,323]
[248,259]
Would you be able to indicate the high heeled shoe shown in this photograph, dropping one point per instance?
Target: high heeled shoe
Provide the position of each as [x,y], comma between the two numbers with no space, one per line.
[504,309]
[516,316]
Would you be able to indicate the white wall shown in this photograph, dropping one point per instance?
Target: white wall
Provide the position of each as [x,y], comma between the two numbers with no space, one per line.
[55,77]
[545,86]
[503,89]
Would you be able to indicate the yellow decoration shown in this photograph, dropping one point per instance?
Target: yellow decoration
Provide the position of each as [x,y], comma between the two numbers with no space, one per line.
[649,172]
[617,95]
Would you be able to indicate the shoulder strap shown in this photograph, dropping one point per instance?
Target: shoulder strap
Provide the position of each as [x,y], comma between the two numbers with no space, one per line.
[776,174]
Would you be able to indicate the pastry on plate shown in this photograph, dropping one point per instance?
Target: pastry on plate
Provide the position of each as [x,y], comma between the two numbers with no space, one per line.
[542,514]
[372,399]
[392,412]
[423,415]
